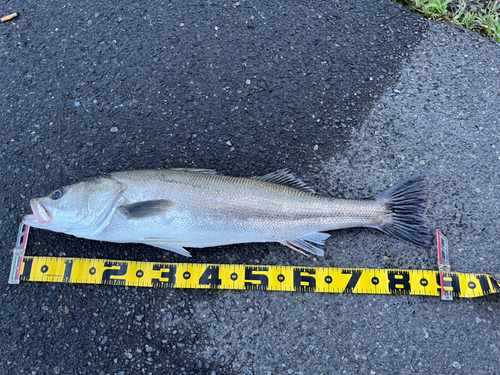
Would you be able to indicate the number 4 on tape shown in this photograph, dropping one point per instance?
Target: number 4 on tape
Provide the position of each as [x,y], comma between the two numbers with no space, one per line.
[442,282]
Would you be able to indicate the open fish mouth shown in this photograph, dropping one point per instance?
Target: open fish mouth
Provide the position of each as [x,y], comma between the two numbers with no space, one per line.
[40,213]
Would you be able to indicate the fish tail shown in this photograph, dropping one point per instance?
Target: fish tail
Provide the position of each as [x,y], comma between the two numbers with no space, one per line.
[405,202]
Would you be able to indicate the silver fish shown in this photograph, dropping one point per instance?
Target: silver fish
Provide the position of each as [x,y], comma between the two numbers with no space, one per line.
[177,208]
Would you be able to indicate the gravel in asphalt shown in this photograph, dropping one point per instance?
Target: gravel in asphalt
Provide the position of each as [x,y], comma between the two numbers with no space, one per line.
[351,96]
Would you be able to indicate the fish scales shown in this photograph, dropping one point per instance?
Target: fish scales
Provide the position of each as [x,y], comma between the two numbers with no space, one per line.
[242,205]
[173,209]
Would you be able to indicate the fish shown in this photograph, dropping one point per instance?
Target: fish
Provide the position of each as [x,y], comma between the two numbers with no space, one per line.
[179,208]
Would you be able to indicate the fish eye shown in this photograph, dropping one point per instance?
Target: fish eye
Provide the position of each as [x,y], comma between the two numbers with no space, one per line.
[56,194]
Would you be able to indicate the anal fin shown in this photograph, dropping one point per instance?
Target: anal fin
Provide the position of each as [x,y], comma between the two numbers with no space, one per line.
[302,244]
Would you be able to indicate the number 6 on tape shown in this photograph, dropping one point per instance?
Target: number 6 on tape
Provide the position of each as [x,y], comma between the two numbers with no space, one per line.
[442,283]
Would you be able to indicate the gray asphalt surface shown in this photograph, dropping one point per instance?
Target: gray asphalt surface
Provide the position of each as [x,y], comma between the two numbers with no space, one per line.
[353,97]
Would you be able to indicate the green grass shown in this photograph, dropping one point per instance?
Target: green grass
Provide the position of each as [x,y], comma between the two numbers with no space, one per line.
[483,20]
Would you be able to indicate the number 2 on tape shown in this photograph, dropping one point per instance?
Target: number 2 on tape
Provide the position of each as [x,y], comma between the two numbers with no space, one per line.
[107,275]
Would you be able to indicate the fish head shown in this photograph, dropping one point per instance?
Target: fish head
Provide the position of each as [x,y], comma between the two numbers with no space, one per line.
[81,209]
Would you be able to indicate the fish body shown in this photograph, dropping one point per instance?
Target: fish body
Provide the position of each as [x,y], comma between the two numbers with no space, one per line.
[178,208]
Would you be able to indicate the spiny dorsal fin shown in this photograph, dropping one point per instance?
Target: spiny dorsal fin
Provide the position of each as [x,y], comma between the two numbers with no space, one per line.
[199,170]
[285,177]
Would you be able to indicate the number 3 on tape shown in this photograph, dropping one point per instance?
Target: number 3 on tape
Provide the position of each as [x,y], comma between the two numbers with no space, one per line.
[444,283]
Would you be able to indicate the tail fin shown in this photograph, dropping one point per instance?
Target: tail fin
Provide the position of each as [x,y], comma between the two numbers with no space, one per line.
[405,202]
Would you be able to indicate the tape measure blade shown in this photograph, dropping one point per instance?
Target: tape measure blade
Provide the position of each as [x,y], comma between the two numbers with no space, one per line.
[254,277]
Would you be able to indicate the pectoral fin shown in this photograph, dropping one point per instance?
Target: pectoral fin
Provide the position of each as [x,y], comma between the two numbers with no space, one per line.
[144,209]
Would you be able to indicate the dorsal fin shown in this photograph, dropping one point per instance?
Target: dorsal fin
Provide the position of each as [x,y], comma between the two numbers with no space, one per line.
[199,170]
[285,177]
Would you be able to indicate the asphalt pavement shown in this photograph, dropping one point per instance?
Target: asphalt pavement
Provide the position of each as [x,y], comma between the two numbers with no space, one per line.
[352,96]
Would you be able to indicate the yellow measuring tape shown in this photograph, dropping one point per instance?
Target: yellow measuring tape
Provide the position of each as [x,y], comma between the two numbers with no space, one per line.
[241,277]
[245,277]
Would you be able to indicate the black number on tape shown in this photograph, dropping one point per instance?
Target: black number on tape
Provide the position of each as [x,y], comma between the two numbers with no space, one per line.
[299,278]
[28,263]
[167,277]
[356,274]
[455,284]
[399,282]
[211,277]
[495,284]
[122,271]
[262,280]
[485,285]
[67,270]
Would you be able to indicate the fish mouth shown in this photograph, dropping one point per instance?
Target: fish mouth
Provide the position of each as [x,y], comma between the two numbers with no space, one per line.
[40,213]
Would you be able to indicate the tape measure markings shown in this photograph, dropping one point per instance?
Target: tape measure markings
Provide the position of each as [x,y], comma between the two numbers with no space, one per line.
[256,277]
